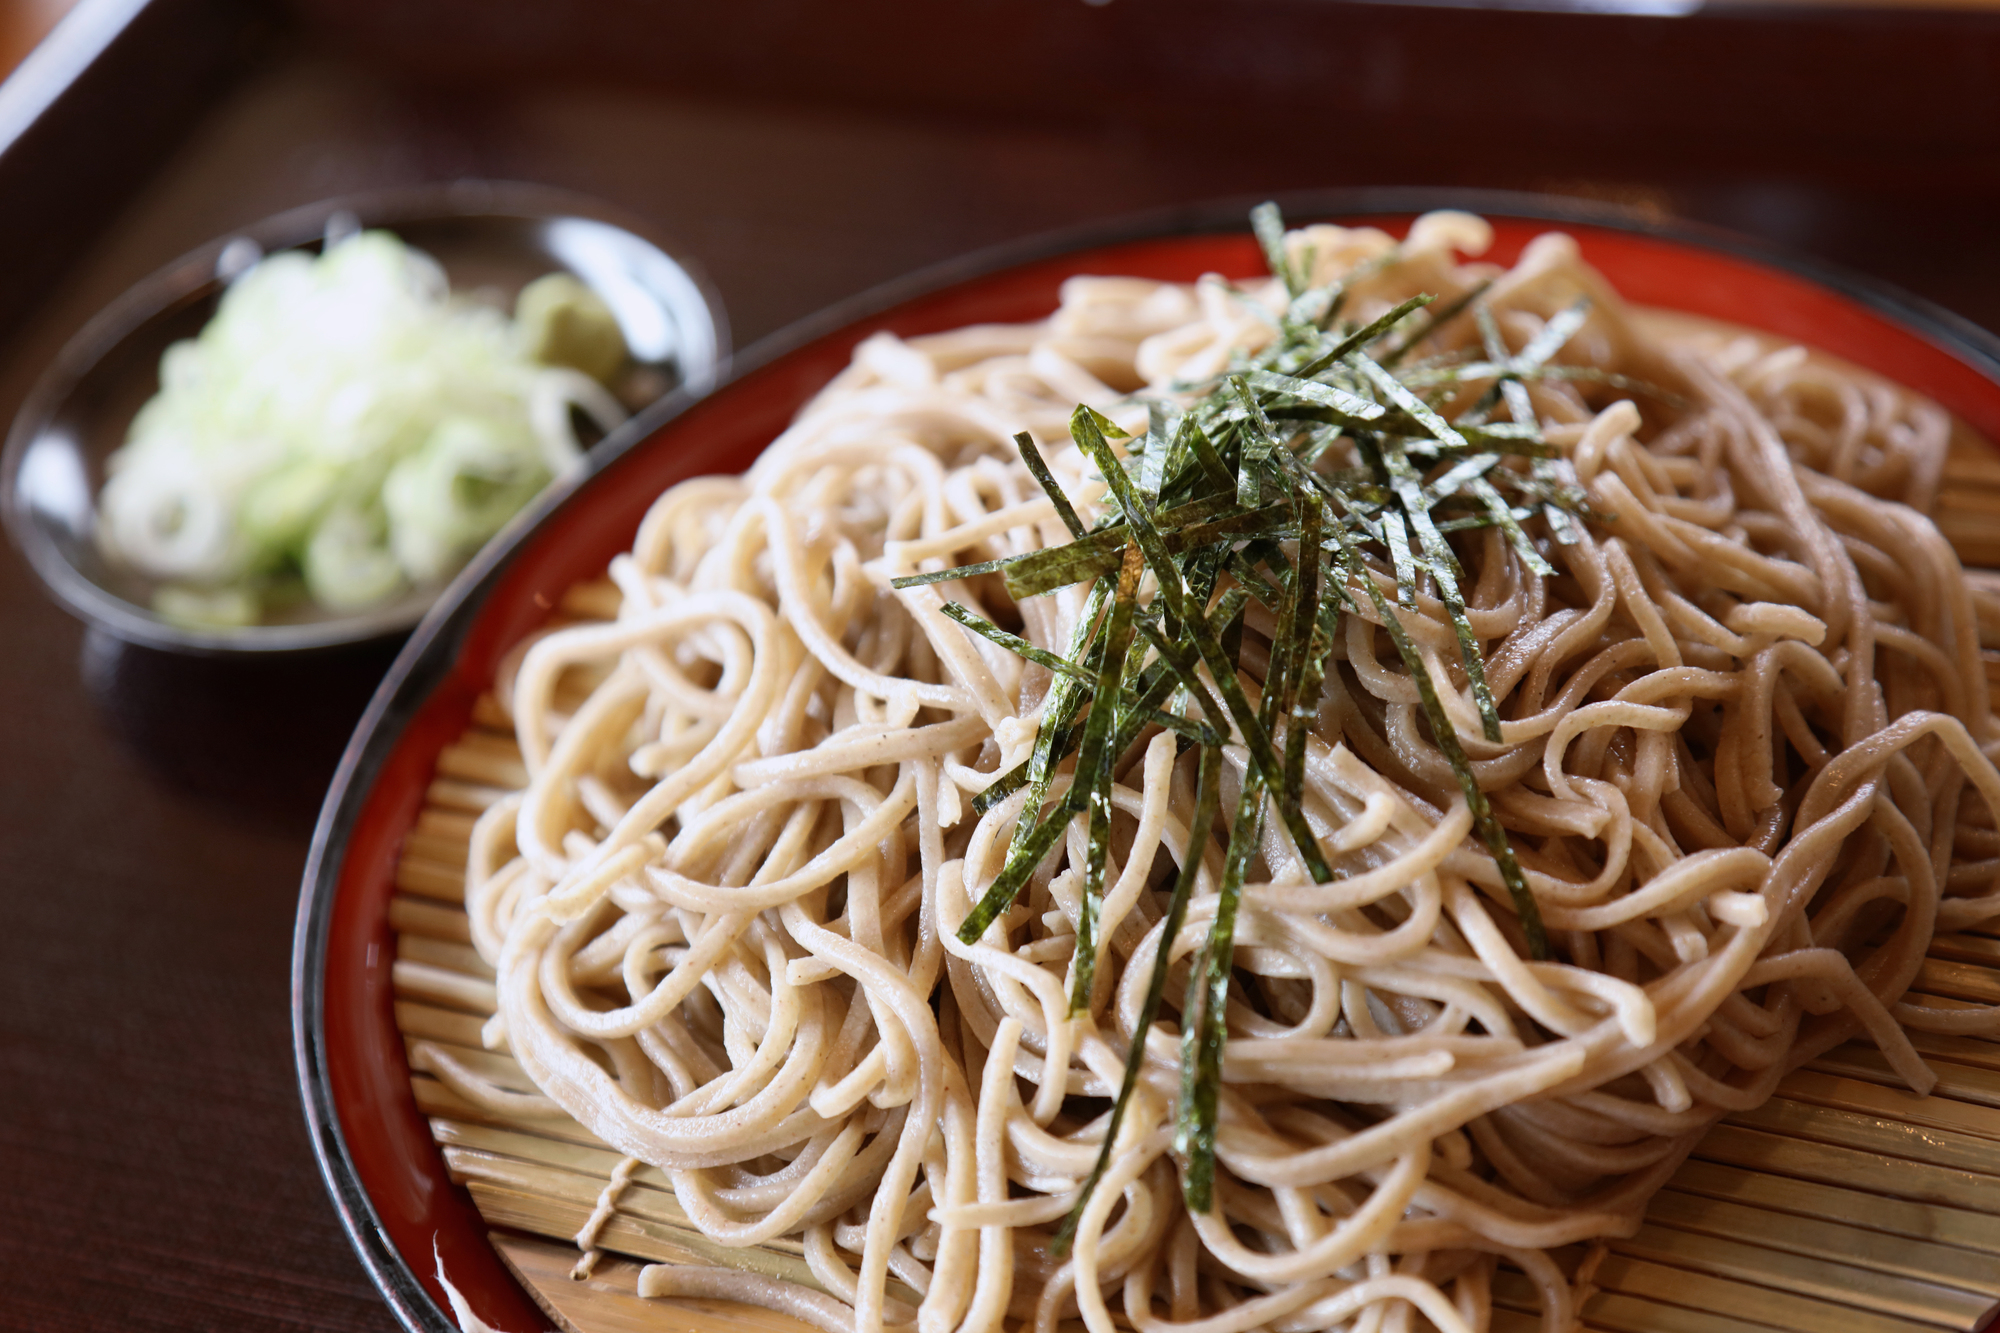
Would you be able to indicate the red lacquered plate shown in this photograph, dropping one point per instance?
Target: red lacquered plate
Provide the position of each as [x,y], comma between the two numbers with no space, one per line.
[386,1175]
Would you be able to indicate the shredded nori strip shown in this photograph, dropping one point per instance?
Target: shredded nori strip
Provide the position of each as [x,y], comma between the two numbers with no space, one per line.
[1208,799]
[1433,321]
[1000,788]
[1015,644]
[1445,736]
[947,575]
[1445,570]
[1093,775]
[1331,396]
[1364,337]
[1202,1027]
[1303,707]
[1269,226]
[1039,469]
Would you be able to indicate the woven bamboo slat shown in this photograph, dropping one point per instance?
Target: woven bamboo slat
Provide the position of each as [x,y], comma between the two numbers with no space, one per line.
[1844,1205]
[608,1301]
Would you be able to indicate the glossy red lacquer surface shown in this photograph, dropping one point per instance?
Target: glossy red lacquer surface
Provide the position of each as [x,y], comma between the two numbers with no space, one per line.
[399,1165]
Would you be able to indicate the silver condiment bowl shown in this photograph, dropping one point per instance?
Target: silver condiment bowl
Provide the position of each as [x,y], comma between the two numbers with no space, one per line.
[491,239]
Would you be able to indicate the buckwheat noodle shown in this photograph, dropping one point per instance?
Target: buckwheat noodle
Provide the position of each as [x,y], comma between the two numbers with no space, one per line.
[1745,765]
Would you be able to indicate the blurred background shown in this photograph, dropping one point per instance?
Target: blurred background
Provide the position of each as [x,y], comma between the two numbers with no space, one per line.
[155,811]
[804,150]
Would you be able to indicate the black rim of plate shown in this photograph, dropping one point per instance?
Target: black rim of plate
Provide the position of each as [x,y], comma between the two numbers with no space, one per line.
[186,279]
[428,655]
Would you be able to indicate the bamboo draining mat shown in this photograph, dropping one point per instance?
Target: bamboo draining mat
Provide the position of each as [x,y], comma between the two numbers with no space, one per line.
[1845,1205]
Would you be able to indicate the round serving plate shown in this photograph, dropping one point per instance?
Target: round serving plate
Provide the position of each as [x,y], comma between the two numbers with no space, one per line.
[386,1176]
[491,238]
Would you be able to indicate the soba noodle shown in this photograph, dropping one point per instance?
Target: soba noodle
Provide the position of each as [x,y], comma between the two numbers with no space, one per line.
[1740,724]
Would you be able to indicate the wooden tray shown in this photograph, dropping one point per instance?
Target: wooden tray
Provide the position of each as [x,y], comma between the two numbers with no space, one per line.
[1844,1205]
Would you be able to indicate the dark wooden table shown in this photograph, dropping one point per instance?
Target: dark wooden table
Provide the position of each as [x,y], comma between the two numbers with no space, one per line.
[155,811]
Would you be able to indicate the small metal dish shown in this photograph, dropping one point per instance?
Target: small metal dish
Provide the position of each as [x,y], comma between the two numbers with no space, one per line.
[491,239]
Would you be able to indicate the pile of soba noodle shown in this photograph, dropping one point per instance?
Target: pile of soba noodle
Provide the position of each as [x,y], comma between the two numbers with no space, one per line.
[1744,767]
